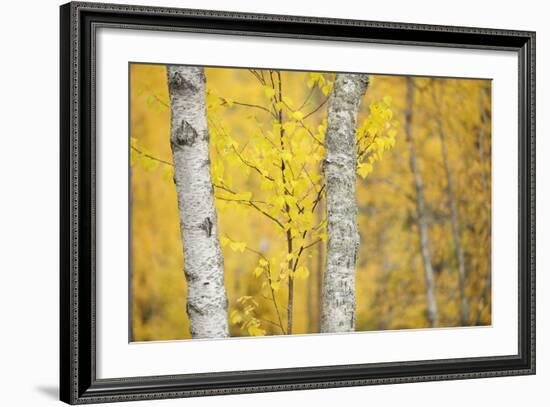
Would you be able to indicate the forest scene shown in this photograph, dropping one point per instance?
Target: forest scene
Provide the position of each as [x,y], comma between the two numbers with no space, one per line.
[277,202]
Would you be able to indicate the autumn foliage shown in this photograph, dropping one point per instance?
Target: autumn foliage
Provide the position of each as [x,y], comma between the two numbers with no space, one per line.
[267,131]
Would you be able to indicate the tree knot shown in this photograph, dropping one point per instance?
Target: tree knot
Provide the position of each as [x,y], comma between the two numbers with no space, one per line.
[207,225]
[184,134]
[178,81]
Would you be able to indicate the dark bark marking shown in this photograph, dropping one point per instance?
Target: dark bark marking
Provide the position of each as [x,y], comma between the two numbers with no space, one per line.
[179,82]
[194,308]
[185,135]
[206,225]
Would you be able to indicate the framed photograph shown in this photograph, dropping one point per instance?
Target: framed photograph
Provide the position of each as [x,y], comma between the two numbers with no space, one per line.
[255,203]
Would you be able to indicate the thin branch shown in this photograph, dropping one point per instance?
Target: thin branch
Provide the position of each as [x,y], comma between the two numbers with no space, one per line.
[250,165]
[319,194]
[246,201]
[312,244]
[318,226]
[362,152]
[307,98]
[308,176]
[304,234]
[272,323]
[245,162]
[158,99]
[269,280]
[151,157]
[257,76]
[265,109]
[271,79]
[288,106]
[250,249]
[268,139]
[225,189]
[301,122]
[317,108]
[266,214]
[253,205]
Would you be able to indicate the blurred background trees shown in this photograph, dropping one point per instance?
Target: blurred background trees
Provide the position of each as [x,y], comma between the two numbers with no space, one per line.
[260,203]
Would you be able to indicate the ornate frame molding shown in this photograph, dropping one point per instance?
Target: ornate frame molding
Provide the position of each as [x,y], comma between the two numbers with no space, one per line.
[79,21]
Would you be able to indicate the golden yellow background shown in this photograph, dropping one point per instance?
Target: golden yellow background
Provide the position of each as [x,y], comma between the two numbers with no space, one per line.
[390,283]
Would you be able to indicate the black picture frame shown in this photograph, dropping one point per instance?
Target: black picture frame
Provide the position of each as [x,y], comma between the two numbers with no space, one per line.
[78,382]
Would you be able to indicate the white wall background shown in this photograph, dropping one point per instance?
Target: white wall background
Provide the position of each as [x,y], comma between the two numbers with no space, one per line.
[29,162]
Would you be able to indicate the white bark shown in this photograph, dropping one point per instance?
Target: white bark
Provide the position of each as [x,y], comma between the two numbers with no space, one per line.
[486,187]
[338,310]
[203,261]
[455,228]
[420,209]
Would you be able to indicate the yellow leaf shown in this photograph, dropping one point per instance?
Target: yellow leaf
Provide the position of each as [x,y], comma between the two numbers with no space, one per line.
[291,200]
[167,173]
[364,169]
[287,100]
[244,298]
[255,331]
[327,88]
[245,196]
[236,317]
[275,285]
[224,241]
[269,92]
[258,271]
[266,184]
[289,127]
[301,273]
[300,133]
[148,163]
[306,219]
[238,246]
[298,115]
[280,202]
[263,263]
[276,129]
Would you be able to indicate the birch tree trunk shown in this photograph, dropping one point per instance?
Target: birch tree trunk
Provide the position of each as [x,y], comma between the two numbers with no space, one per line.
[420,209]
[486,188]
[203,261]
[455,227]
[338,313]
